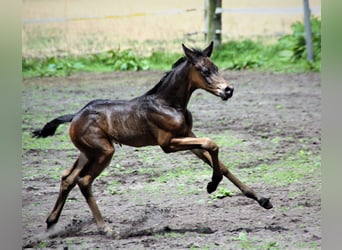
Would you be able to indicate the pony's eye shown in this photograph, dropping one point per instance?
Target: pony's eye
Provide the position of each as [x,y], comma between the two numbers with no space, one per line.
[206,72]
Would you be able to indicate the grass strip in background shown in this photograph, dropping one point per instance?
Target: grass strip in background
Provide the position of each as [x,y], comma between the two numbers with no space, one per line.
[288,54]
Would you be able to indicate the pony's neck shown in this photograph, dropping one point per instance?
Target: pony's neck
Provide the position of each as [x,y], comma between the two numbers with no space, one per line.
[176,89]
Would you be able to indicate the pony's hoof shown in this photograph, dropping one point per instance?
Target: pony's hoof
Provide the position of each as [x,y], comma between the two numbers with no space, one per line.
[110,233]
[265,203]
[211,187]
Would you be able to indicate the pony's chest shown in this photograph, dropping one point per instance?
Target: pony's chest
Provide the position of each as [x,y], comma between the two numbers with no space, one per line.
[171,121]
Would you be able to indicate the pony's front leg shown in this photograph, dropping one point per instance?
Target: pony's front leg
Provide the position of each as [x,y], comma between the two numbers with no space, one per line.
[247,191]
[190,143]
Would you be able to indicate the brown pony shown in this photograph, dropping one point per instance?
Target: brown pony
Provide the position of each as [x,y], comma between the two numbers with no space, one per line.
[158,117]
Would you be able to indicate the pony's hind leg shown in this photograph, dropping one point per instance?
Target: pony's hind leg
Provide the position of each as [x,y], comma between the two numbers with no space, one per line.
[99,162]
[68,181]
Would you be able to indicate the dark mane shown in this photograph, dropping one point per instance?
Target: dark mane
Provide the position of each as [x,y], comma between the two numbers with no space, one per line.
[197,52]
[162,80]
[157,86]
[178,62]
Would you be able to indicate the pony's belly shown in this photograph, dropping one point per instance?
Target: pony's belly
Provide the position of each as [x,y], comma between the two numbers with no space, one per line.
[136,140]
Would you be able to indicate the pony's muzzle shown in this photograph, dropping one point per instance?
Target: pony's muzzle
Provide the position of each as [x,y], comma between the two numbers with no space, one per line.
[227,93]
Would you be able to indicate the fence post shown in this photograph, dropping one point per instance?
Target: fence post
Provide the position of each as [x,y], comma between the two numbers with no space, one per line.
[218,22]
[212,21]
[307,24]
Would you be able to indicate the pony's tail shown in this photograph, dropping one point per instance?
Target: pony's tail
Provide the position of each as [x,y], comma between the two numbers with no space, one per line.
[50,128]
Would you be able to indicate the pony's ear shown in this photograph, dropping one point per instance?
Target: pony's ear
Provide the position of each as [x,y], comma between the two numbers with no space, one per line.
[189,54]
[207,51]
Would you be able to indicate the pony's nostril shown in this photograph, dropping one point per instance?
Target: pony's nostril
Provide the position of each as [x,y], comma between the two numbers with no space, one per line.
[229,90]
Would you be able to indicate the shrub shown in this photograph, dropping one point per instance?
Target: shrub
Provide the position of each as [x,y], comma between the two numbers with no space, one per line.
[293,46]
[240,54]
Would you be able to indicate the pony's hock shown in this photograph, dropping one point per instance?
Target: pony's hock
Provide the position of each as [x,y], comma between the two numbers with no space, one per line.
[158,117]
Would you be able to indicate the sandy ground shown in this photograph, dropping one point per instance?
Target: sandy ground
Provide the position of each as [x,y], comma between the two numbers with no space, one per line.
[151,198]
[143,25]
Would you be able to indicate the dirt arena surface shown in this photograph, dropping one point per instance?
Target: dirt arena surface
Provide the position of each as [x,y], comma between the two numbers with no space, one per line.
[159,201]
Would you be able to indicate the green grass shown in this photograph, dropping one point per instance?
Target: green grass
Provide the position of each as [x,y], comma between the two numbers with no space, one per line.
[63,142]
[307,245]
[162,60]
[113,187]
[221,193]
[246,242]
[293,168]
[287,55]
[42,245]
[223,139]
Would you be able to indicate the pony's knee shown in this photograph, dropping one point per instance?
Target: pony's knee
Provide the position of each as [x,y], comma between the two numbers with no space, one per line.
[109,151]
[67,184]
[105,155]
[210,145]
[84,182]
